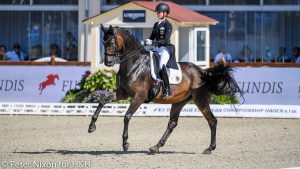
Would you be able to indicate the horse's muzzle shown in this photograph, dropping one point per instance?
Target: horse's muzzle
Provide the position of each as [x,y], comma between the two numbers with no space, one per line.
[109,60]
[109,63]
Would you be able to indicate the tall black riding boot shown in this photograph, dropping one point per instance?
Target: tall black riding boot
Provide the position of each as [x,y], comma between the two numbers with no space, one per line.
[164,75]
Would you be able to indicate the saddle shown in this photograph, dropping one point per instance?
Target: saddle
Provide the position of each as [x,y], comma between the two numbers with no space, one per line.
[175,75]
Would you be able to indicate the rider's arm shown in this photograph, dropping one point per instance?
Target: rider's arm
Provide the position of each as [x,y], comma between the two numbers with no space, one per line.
[152,36]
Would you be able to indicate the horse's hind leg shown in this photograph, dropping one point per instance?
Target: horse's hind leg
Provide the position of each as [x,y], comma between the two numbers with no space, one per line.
[92,126]
[202,100]
[174,114]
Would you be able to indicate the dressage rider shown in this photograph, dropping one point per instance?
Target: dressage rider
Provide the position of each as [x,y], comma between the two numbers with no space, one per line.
[160,38]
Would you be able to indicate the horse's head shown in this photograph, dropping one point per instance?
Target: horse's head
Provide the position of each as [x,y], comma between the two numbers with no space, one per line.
[56,76]
[111,46]
[118,44]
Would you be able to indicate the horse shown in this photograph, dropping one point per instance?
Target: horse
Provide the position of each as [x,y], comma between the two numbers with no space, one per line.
[134,80]
[50,81]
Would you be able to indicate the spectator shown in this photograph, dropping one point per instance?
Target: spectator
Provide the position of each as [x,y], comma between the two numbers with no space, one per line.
[296,54]
[36,52]
[282,55]
[73,53]
[55,50]
[70,46]
[245,55]
[222,55]
[268,56]
[2,52]
[16,54]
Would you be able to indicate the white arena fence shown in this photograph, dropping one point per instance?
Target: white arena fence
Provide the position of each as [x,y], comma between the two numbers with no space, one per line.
[261,111]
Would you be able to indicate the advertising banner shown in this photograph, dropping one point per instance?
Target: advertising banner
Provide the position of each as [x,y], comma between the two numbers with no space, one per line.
[134,15]
[191,110]
[266,85]
[270,111]
[40,84]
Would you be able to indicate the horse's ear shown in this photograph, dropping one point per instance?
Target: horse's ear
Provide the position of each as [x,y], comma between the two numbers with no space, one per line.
[110,27]
[103,28]
[222,61]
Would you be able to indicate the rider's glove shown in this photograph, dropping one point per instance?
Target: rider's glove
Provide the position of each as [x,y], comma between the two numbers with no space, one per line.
[155,43]
[148,42]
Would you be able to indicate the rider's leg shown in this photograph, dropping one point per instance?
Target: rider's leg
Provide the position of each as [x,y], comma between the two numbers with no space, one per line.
[164,58]
[164,75]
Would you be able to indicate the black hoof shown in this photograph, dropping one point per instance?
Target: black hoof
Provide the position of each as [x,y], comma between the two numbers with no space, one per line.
[126,146]
[92,128]
[207,151]
[154,149]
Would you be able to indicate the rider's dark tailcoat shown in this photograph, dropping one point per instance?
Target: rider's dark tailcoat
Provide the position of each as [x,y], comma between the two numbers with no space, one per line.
[161,34]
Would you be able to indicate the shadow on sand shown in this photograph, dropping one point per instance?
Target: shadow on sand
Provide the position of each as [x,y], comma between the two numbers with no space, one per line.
[74,152]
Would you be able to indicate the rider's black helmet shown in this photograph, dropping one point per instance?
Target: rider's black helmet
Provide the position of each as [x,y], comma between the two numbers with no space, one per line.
[162,7]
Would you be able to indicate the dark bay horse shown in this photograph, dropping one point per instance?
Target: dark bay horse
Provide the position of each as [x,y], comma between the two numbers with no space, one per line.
[134,80]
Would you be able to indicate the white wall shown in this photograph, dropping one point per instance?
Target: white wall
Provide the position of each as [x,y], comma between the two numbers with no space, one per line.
[84,31]
[183,44]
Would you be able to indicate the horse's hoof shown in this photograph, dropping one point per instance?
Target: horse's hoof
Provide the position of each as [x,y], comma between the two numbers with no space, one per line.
[92,128]
[126,146]
[207,152]
[154,149]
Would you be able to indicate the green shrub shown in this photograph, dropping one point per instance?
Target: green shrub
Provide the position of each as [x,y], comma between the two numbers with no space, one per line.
[224,99]
[104,79]
[76,96]
[90,84]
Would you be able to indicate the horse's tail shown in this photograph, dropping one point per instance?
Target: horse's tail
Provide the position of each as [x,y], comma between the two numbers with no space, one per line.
[220,81]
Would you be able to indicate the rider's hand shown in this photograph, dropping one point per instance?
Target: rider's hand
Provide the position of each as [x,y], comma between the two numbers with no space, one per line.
[148,42]
[155,43]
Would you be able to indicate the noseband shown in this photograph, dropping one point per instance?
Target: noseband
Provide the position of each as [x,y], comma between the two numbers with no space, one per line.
[116,55]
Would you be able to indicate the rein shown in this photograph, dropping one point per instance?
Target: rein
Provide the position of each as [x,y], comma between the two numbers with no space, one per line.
[130,54]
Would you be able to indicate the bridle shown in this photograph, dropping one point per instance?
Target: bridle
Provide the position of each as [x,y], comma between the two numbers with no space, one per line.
[116,55]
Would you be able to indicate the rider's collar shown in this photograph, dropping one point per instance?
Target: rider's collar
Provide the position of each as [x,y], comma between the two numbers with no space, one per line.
[161,20]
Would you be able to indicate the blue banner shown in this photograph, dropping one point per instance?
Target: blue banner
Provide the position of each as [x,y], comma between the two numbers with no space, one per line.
[134,16]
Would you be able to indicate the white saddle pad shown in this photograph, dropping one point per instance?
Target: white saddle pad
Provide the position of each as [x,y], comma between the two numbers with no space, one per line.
[175,75]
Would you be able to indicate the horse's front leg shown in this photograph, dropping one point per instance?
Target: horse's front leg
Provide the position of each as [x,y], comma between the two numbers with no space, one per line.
[135,104]
[92,126]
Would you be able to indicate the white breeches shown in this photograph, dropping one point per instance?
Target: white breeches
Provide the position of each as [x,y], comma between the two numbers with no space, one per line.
[164,55]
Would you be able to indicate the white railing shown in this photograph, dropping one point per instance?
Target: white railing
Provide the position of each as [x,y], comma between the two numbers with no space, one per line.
[268,111]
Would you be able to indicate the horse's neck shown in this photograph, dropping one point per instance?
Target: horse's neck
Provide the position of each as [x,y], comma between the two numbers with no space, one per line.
[135,64]
[134,57]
